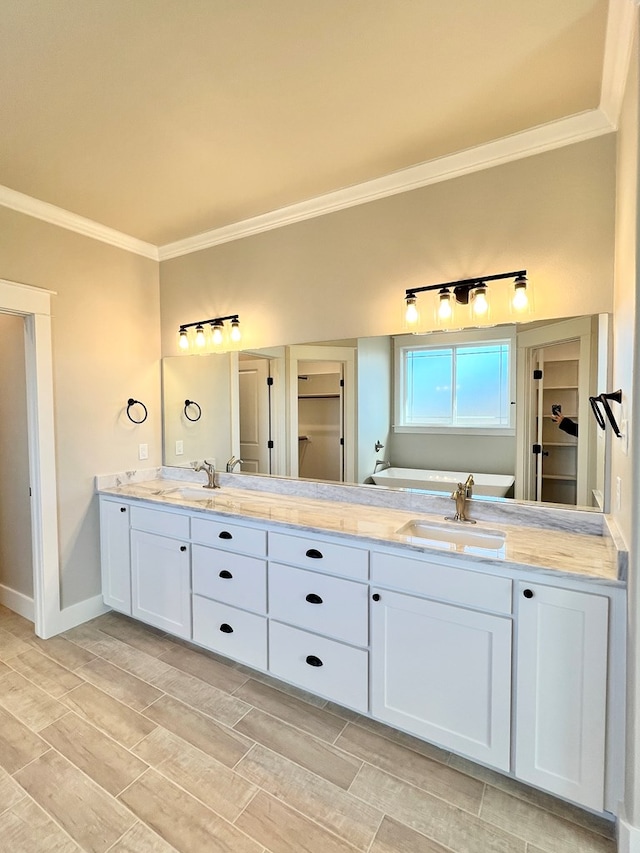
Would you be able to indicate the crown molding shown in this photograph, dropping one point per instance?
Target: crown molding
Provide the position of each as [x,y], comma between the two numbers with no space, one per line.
[617,56]
[73,222]
[546,137]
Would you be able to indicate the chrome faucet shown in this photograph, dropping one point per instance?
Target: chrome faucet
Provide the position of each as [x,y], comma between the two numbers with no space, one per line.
[461,495]
[209,467]
[231,464]
[380,465]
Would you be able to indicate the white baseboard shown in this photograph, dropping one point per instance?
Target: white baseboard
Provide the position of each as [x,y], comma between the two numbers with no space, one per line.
[628,837]
[18,602]
[78,613]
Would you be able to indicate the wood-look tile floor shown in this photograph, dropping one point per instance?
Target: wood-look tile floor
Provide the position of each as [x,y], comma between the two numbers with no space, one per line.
[116,737]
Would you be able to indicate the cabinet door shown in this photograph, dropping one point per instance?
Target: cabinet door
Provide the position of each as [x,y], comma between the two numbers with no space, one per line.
[161,582]
[443,673]
[561,692]
[115,556]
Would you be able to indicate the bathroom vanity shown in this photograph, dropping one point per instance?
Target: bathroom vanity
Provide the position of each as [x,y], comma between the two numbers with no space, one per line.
[511,655]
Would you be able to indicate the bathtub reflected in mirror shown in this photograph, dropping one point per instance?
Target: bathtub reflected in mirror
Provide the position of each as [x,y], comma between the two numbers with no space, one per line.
[487,485]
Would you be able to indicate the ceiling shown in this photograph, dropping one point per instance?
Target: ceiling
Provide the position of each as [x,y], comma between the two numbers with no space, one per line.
[163,119]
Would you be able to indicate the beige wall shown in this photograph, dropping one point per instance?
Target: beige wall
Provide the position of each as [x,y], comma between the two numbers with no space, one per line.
[344,274]
[16,565]
[105,320]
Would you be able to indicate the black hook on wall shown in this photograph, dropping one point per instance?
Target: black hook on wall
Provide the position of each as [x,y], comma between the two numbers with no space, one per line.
[603,399]
[193,403]
[131,402]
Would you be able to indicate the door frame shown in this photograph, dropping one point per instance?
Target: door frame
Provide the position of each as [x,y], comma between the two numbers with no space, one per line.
[579,328]
[309,352]
[34,305]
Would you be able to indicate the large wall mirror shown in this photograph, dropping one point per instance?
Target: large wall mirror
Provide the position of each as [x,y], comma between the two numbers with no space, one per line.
[348,411]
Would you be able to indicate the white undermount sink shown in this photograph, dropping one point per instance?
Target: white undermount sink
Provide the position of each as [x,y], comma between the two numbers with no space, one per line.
[456,534]
[194,493]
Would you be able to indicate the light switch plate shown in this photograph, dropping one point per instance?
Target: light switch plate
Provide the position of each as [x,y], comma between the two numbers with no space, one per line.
[143,451]
[179,448]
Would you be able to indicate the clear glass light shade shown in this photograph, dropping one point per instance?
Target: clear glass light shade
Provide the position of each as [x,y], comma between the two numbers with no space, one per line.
[480,304]
[521,298]
[235,331]
[183,339]
[444,310]
[216,333]
[411,314]
[200,338]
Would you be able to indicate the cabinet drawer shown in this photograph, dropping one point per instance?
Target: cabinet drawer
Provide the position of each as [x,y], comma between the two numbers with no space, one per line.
[232,578]
[231,537]
[234,633]
[332,606]
[446,583]
[323,666]
[159,521]
[320,555]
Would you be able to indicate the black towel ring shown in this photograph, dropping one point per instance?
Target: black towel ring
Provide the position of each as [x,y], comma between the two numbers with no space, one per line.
[188,403]
[132,402]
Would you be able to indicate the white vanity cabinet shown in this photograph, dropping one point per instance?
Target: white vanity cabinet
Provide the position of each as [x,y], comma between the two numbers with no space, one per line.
[318,617]
[229,578]
[561,695]
[518,669]
[115,555]
[161,570]
[441,665]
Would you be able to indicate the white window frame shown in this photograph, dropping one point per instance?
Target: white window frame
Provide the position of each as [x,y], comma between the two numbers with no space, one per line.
[443,340]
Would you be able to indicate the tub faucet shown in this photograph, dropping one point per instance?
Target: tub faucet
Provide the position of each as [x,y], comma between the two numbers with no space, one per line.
[460,496]
[210,469]
[380,465]
[231,464]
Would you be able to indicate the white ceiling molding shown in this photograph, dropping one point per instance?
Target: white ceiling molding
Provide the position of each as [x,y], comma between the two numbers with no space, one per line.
[617,56]
[546,137]
[73,222]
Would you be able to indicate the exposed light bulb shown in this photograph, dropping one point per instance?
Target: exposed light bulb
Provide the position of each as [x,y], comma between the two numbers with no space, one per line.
[520,301]
[235,331]
[445,309]
[480,301]
[216,333]
[200,339]
[411,314]
[183,339]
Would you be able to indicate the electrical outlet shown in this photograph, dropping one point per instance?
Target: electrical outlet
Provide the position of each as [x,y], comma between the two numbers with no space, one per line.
[179,448]
[618,493]
[143,451]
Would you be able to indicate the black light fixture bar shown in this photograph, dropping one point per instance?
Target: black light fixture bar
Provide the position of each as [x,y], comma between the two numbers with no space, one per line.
[232,317]
[464,284]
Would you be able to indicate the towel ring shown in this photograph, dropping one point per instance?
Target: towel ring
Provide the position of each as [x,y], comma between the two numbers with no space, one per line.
[132,402]
[188,403]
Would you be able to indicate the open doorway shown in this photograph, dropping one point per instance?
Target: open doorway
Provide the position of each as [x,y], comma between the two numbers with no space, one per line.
[16,560]
[32,306]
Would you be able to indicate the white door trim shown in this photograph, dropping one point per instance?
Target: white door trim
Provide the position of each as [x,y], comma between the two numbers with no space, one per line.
[34,304]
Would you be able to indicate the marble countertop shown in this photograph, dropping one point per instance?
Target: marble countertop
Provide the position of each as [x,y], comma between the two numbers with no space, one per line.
[574,554]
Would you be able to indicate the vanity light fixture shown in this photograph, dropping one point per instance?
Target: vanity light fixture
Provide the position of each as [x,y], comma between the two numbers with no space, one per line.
[216,325]
[468,291]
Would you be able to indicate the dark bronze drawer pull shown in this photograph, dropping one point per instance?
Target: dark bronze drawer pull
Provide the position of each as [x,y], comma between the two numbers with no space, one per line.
[314,554]
[123,509]
[225,574]
[225,535]
[226,629]
[312,660]
[312,598]
[183,548]
[528,593]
